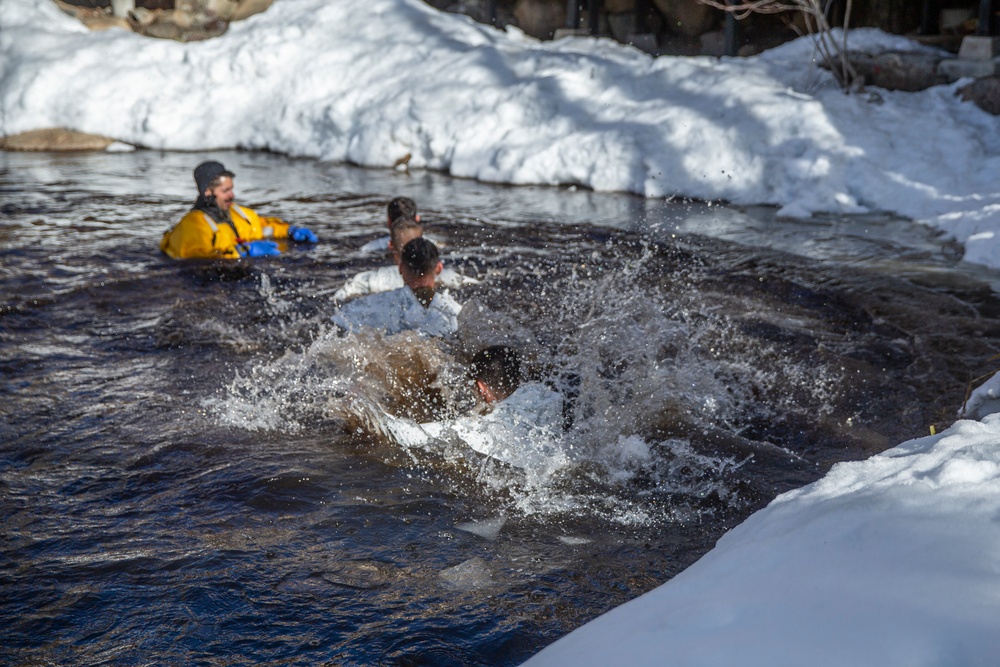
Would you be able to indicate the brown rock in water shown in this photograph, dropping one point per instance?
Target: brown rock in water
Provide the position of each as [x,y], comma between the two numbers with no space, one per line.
[984,93]
[56,140]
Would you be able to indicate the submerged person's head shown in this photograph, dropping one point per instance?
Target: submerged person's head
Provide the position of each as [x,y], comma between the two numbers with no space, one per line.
[215,184]
[420,262]
[496,371]
[401,207]
[419,266]
[402,231]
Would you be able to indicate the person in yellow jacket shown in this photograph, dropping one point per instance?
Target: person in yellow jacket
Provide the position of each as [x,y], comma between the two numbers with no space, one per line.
[218,228]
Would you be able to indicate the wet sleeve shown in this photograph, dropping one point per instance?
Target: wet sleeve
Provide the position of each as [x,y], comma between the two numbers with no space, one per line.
[273,228]
[261,227]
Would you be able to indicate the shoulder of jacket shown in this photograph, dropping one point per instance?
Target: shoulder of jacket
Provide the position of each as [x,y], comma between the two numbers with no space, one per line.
[243,211]
[196,219]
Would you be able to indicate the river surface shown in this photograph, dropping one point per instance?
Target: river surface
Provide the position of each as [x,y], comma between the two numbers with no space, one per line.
[186,478]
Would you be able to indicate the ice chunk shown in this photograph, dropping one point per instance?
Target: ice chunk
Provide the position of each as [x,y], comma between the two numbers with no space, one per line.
[487,529]
[468,575]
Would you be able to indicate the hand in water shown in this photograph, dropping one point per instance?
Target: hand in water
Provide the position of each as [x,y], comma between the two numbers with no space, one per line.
[302,235]
[259,249]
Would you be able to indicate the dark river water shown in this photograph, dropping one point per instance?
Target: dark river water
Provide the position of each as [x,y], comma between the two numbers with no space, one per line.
[184,478]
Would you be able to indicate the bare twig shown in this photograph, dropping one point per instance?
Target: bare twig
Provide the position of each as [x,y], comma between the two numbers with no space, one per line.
[814,12]
[973,381]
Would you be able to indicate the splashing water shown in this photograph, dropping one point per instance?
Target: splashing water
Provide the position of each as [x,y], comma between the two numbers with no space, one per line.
[656,387]
[180,444]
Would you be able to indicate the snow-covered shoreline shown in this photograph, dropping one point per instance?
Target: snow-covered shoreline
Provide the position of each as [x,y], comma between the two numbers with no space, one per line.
[888,561]
[319,78]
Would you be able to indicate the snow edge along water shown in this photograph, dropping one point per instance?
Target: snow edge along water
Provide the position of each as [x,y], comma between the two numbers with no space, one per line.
[317,78]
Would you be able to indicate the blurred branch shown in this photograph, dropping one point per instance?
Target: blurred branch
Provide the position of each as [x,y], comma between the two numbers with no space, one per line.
[814,13]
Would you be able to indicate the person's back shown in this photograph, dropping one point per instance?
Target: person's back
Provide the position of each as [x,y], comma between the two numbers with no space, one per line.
[398,207]
[523,425]
[417,305]
[402,230]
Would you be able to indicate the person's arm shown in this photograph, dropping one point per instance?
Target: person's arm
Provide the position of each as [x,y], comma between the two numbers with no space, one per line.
[380,245]
[451,278]
[357,285]
[375,281]
[260,227]
[273,228]
[282,230]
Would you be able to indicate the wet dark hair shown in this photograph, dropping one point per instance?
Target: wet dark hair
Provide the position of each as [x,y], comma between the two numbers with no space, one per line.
[401,206]
[420,256]
[499,368]
[400,225]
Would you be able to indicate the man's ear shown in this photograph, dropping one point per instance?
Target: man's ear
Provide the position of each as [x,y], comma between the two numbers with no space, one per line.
[486,392]
[417,217]
[439,268]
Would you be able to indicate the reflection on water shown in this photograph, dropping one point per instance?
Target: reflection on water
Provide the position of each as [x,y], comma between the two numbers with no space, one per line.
[192,465]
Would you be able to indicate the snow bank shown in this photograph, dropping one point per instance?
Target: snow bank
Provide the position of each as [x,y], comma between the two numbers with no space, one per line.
[371,82]
[889,561]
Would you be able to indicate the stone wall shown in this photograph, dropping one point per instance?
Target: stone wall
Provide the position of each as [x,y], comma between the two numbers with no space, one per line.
[674,27]
[688,27]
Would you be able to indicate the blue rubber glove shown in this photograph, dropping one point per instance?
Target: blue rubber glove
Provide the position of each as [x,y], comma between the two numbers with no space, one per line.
[259,249]
[302,235]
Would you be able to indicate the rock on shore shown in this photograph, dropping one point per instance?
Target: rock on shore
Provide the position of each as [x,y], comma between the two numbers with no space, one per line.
[59,140]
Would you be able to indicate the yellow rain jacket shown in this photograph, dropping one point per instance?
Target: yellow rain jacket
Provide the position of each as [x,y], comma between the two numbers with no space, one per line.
[198,236]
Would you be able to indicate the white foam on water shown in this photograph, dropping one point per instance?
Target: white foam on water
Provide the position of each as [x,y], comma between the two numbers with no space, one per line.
[644,374]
